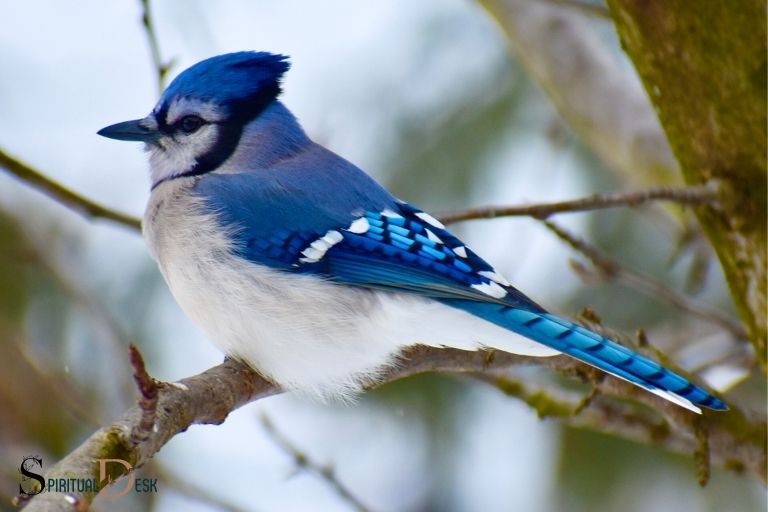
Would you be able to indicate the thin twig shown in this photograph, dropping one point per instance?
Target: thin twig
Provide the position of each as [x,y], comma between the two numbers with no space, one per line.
[548,403]
[90,209]
[71,282]
[588,399]
[63,195]
[161,68]
[147,402]
[643,427]
[59,389]
[684,195]
[169,479]
[611,269]
[303,461]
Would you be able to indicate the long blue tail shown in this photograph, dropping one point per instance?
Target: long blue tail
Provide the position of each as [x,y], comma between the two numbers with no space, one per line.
[593,349]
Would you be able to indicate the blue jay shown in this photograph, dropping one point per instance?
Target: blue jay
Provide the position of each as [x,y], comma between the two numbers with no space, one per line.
[298,263]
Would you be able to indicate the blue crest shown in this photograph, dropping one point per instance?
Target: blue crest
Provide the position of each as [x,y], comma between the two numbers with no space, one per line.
[231,78]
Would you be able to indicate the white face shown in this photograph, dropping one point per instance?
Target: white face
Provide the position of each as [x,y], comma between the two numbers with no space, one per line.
[178,151]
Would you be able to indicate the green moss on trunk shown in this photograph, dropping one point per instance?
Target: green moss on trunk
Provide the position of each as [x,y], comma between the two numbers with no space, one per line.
[703,65]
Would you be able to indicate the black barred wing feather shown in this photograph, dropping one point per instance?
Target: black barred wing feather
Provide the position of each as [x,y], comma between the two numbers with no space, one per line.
[407,250]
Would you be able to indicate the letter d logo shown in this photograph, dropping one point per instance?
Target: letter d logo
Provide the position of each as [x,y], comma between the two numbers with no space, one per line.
[103,475]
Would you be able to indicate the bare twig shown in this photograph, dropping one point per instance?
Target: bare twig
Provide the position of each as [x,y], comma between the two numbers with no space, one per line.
[70,280]
[90,209]
[681,195]
[546,403]
[62,390]
[161,68]
[303,461]
[584,403]
[170,480]
[63,195]
[148,397]
[611,269]
[635,424]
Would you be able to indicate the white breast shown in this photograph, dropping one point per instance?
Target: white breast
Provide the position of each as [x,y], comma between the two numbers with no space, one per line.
[303,332]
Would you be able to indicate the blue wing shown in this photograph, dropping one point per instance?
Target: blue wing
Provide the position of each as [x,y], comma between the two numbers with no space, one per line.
[404,249]
[391,245]
[286,221]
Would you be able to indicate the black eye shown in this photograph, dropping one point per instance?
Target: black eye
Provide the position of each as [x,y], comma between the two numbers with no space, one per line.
[190,124]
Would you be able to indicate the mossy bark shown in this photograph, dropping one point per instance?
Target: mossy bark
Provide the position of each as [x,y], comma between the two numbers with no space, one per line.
[703,65]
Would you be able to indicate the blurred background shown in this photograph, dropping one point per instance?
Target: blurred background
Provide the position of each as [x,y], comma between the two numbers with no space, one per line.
[428,98]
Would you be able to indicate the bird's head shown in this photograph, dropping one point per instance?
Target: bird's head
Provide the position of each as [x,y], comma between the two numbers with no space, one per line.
[197,123]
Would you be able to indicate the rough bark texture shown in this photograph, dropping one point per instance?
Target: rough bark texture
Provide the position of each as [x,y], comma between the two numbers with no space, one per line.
[205,398]
[703,64]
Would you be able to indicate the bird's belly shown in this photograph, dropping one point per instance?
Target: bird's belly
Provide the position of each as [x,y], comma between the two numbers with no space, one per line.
[302,332]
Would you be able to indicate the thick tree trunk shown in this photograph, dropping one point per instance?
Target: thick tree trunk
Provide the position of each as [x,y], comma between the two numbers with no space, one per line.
[703,64]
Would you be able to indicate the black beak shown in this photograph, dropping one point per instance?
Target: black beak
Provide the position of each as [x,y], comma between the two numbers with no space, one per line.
[135,130]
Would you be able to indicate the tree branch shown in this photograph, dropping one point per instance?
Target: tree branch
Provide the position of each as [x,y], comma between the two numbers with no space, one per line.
[681,195]
[734,439]
[91,209]
[161,68]
[63,195]
[303,461]
[205,398]
[600,101]
[611,269]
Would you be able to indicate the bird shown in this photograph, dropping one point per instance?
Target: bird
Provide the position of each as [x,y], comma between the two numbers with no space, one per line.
[296,262]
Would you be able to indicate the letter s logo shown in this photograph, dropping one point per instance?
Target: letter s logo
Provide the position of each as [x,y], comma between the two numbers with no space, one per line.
[26,464]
